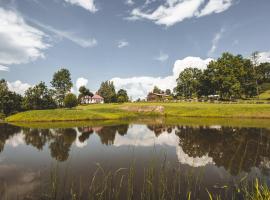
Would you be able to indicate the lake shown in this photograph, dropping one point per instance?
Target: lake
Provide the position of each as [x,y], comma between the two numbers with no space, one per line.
[132,161]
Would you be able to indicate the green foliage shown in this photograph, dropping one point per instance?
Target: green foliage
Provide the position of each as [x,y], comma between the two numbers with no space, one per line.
[263,73]
[62,83]
[157,90]
[188,82]
[70,100]
[107,91]
[39,97]
[10,102]
[229,76]
[122,96]
[168,92]
[84,92]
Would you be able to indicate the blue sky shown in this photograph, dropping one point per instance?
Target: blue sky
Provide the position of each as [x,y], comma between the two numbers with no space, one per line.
[135,43]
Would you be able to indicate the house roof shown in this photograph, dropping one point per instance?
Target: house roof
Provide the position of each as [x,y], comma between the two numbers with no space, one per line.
[96,96]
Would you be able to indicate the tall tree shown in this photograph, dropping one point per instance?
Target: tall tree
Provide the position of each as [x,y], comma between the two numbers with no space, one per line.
[255,61]
[157,90]
[122,96]
[107,91]
[84,92]
[62,84]
[39,97]
[230,77]
[10,102]
[188,82]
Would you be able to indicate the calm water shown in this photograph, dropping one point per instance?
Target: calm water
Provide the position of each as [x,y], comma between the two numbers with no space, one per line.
[215,158]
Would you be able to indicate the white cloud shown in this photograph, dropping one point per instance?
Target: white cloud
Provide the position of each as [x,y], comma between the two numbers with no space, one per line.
[129,2]
[3,68]
[122,44]
[16,140]
[141,136]
[90,42]
[193,161]
[215,6]
[86,4]
[264,57]
[18,87]
[138,87]
[81,82]
[215,41]
[162,57]
[19,42]
[174,11]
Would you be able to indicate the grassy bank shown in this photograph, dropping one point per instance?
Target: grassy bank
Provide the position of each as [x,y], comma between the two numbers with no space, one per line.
[139,110]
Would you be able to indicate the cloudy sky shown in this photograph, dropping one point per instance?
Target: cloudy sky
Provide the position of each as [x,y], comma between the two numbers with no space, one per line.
[135,43]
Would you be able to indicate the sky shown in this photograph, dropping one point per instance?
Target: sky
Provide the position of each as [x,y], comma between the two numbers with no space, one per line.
[135,43]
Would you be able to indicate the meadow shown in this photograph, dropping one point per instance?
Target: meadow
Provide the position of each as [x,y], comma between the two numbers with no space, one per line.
[141,110]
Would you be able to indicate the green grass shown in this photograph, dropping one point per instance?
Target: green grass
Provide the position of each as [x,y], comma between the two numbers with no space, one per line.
[265,95]
[172,110]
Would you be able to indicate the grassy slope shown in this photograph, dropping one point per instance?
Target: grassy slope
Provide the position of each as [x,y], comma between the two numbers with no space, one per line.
[265,95]
[112,111]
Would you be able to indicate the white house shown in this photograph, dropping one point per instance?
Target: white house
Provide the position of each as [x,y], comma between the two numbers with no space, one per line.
[94,99]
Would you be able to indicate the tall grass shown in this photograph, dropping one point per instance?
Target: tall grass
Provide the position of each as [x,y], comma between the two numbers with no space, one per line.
[162,182]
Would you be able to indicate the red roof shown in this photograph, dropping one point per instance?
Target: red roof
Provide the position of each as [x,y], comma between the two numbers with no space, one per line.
[96,96]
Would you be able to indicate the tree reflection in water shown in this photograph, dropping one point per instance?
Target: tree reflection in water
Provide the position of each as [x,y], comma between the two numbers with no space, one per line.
[235,149]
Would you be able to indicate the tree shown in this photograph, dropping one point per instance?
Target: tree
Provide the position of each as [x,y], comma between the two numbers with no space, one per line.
[122,96]
[263,73]
[107,91]
[230,77]
[70,100]
[84,92]
[157,90]
[255,62]
[62,84]
[10,102]
[39,97]
[188,82]
[168,92]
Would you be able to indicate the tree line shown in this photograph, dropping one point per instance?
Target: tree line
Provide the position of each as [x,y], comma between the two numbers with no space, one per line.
[58,95]
[229,77]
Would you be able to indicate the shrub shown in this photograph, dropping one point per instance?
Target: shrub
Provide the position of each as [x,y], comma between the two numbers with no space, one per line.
[70,100]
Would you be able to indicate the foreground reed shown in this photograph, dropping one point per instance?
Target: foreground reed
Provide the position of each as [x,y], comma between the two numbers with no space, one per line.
[164,182]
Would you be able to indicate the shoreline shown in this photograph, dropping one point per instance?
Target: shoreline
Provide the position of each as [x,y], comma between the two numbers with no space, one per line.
[135,111]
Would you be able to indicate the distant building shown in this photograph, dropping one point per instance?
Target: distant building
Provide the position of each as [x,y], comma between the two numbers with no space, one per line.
[157,97]
[91,100]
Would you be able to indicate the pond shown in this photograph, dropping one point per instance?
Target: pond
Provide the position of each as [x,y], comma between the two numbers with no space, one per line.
[132,161]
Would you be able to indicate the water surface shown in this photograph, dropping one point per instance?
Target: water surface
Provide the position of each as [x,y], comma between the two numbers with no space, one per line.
[216,158]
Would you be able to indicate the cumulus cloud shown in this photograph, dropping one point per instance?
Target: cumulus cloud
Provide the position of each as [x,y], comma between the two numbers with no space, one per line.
[138,87]
[16,140]
[18,87]
[264,57]
[122,44]
[81,82]
[162,57]
[174,11]
[141,136]
[19,42]
[215,41]
[86,4]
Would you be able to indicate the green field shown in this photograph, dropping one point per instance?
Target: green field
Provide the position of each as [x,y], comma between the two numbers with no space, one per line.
[136,111]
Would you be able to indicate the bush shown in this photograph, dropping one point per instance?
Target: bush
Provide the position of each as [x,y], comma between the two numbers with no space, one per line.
[70,100]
